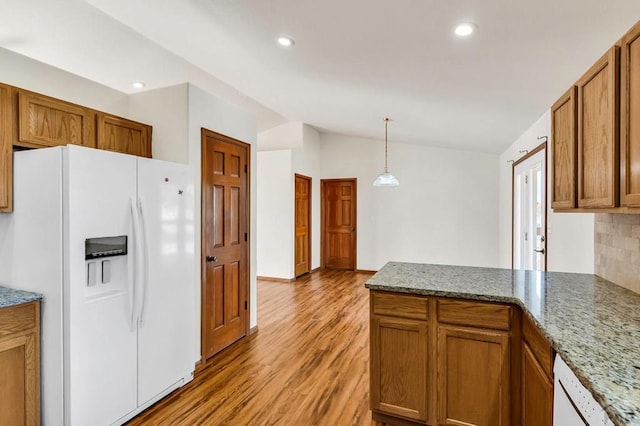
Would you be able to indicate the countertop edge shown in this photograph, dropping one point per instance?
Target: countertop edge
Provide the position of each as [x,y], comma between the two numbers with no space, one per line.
[13,297]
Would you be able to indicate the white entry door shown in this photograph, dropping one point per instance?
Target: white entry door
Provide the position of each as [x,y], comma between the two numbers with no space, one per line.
[529,212]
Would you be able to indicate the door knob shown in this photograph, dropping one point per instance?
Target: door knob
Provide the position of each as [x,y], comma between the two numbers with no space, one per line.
[541,251]
[212,259]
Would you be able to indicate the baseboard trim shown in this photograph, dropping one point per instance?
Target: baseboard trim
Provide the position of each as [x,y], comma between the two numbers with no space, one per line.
[277,280]
[253,330]
[314,270]
[390,420]
[366,271]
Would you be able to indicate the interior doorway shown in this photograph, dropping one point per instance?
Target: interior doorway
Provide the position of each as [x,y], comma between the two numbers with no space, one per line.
[338,223]
[302,249]
[225,247]
[529,209]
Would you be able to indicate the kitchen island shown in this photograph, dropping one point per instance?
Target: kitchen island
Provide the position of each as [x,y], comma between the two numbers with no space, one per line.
[593,324]
[20,357]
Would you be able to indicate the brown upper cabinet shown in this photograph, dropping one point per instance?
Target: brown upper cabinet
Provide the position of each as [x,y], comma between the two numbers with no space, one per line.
[32,120]
[6,150]
[564,151]
[598,137]
[630,119]
[122,135]
[607,134]
[45,121]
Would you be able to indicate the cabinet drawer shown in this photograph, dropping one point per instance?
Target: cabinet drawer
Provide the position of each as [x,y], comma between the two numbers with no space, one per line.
[539,345]
[474,314]
[16,319]
[400,305]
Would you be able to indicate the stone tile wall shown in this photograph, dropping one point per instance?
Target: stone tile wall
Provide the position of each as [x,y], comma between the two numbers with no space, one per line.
[617,249]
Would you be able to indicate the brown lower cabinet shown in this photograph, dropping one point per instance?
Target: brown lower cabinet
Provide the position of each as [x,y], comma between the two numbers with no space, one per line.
[473,376]
[444,361]
[20,364]
[537,377]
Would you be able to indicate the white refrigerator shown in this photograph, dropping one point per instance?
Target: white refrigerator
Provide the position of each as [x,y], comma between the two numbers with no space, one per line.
[108,239]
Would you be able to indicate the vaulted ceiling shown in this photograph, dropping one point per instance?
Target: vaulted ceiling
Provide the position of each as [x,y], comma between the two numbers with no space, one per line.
[353,62]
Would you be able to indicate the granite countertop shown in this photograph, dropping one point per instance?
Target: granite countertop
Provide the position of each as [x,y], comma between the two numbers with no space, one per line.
[11,297]
[592,323]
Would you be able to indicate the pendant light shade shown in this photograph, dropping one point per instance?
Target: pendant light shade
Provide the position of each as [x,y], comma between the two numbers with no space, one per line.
[385,178]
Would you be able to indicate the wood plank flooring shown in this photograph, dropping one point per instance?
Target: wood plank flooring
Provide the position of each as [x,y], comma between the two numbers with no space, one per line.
[307,365]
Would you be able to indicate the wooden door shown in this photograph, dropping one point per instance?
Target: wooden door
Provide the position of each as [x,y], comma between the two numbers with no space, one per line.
[399,366]
[473,377]
[339,228]
[225,259]
[598,136]
[564,151]
[303,225]
[630,119]
[537,391]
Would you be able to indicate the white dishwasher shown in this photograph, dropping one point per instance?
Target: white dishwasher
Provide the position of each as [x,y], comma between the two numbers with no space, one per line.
[573,404]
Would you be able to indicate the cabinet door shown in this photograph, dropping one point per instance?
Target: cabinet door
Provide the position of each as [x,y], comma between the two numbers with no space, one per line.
[6,150]
[45,121]
[598,135]
[537,391]
[125,136]
[473,377]
[20,365]
[399,363]
[564,149]
[630,119]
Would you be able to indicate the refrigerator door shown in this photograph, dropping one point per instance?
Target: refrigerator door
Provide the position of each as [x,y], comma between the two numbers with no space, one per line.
[100,342]
[167,309]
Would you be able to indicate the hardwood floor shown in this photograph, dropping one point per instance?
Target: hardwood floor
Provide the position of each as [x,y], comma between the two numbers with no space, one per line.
[307,365]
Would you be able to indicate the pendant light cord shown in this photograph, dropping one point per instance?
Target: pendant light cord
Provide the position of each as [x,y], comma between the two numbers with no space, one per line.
[386,149]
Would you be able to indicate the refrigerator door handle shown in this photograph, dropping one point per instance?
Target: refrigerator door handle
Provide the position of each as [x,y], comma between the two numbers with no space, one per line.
[144,240]
[133,267]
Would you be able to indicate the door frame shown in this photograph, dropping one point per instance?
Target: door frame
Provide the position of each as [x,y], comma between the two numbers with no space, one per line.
[354,251]
[295,214]
[204,133]
[541,147]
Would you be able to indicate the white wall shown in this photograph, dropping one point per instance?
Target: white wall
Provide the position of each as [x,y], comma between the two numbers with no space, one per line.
[276,201]
[166,110]
[569,235]
[23,72]
[303,144]
[306,161]
[285,136]
[444,211]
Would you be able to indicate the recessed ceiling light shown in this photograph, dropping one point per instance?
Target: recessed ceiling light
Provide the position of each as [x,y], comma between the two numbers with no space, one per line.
[464,30]
[285,41]
[138,85]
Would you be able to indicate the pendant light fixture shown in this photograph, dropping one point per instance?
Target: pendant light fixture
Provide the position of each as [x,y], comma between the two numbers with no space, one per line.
[385,178]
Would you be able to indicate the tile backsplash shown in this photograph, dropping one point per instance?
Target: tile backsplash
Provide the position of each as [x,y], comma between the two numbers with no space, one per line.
[617,249]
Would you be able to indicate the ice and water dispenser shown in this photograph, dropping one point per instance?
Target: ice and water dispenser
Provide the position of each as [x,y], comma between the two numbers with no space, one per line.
[99,254]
